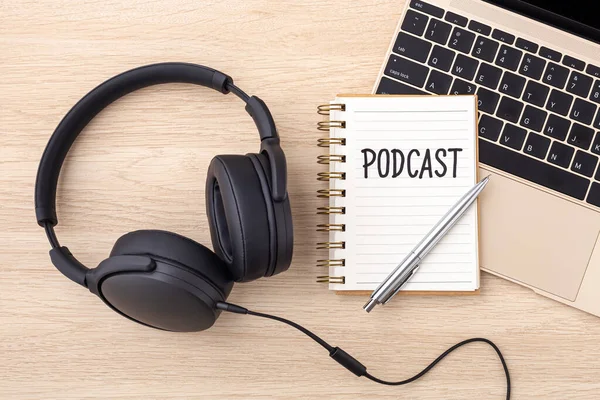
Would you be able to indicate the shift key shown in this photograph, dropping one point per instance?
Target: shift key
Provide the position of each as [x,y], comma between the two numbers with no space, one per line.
[407,71]
[594,195]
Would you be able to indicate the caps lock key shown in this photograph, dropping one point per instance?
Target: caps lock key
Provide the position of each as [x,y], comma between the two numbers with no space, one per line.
[407,71]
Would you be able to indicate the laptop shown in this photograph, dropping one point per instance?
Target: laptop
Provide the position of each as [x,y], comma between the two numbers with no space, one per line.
[535,67]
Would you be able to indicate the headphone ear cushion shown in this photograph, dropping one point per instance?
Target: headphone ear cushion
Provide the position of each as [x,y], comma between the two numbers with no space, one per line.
[238,217]
[282,230]
[180,251]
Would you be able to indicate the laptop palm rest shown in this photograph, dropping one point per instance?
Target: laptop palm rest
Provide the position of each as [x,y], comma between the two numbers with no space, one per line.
[535,238]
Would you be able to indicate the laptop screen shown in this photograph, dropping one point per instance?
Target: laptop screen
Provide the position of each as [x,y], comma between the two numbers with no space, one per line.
[577,17]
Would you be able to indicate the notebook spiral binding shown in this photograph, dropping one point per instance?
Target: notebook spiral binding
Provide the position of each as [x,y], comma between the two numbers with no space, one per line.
[331,245]
[326,193]
[331,210]
[326,142]
[331,228]
[327,125]
[325,109]
[331,263]
[327,176]
[331,193]
[329,158]
[331,279]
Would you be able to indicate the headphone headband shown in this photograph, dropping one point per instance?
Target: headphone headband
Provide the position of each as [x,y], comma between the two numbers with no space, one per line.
[106,93]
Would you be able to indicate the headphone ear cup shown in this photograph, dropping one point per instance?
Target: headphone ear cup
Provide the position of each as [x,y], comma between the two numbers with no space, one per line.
[238,217]
[162,280]
[178,250]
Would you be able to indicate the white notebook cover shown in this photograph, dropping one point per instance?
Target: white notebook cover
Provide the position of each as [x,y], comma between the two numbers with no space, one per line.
[407,160]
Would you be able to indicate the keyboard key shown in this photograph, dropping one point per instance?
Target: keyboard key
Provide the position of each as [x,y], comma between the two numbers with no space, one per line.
[455,18]
[509,109]
[561,154]
[389,86]
[438,82]
[441,58]
[550,54]
[461,40]
[532,66]
[509,57]
[573,63]
[414,22]
[533,118]
[406,70]
[593,70]
[583,111]
[487,100]
[536,93]
[595,95]
[485,49]
[490,127]
[438,31]
[412,47]
[530,169]
[465,67]
[597,120]
[488,76]
[513,136]
[596,145]
[479,28]
[427,8]
[462,87]
[557,127]
[526,45]
[503,36]
[512,84]
[580,136]
[579,84]
[536,145]
[584,163]
[555,75]
[559,102]
[594,195]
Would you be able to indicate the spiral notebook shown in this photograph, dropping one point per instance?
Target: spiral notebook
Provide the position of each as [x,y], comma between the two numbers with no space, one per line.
[396,164]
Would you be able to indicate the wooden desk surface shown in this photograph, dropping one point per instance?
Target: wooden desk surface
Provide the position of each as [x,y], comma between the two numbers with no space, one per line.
[142,164]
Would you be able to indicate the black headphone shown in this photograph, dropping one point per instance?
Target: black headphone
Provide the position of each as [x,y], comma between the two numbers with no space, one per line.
[162,279]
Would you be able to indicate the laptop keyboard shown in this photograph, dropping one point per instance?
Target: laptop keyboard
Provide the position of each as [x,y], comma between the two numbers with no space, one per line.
[538,108]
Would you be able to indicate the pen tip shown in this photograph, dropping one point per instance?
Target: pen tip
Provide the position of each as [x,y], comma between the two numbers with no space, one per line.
[370,305]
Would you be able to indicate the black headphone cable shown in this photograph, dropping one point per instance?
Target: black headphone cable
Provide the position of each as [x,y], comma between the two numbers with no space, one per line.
[351,363]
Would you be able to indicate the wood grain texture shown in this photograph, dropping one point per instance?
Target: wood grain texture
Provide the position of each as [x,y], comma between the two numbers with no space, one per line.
[142,164]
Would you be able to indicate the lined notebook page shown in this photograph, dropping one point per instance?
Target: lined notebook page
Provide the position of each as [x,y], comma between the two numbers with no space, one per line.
[408,160]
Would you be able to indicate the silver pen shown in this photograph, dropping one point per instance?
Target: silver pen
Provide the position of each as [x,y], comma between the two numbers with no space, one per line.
[406,269]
